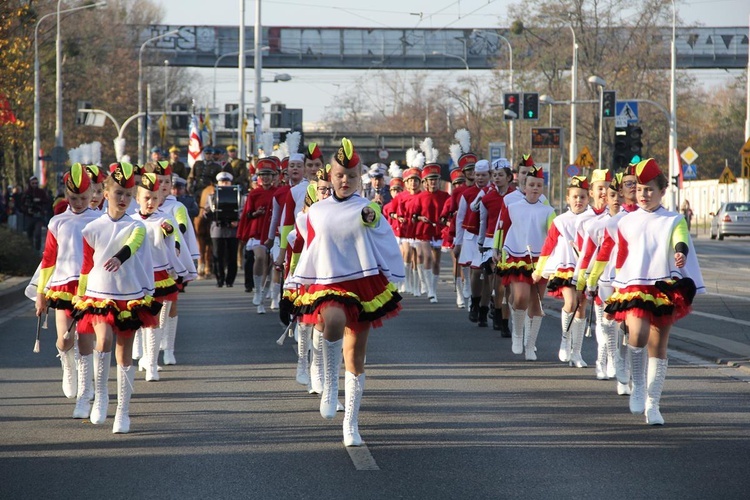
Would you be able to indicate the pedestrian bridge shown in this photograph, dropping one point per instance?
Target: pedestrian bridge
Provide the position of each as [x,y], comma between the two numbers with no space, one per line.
[406,48]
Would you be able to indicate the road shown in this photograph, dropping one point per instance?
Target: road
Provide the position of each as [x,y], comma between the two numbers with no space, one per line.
[448,412]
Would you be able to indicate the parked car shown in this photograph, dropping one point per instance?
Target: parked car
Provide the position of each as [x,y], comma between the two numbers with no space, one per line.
[732,219]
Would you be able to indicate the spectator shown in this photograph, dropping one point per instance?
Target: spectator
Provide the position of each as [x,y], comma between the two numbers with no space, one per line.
[36,207]
[687,212]
[179,191]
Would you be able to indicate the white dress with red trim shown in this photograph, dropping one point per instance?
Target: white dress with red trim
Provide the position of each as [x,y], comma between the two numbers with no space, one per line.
[561,251]
[63,250]
[648,283]
[178,212]
[167,265]
[349,263]
[523,240]
[124,298]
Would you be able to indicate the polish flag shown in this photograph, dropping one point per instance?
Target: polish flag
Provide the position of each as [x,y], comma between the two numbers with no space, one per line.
[195,146]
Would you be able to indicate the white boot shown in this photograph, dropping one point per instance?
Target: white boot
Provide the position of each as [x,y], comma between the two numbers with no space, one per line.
[102,361]
[89,360]
[83,405]
[275,296]
[622,358]
[354,386]
[138,344]
[434,283]
[125,378]
[466,272]
[518,318]
[418,276]
[70,372]
[601,354]
[638,397]
[534,324]
[657,373]
[151,339]
[303,340]
[576,342]
[566,319]
[170,334]
[331,368]
[257,290]
[609,327]
[460,302]
[428,280]
[316,363]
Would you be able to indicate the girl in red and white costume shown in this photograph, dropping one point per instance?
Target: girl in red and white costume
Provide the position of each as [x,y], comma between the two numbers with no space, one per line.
[346,296]
[656,280]
[115,293]
[57,283]
[522,228]
[465,160]
[412,181]
[490,207]
[426,208]
[448,217]
[557,264]
[161,232]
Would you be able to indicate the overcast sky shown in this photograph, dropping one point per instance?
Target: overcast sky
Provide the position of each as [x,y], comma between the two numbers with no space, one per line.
[314,90]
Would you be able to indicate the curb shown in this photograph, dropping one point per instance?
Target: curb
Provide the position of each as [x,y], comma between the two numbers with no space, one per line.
[12,292]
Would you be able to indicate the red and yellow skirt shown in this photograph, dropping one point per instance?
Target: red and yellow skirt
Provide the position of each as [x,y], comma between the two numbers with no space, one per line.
[61,297]
[166,287]
[365,301]
[125,316]
[517,269]
[562,278]
[661,304]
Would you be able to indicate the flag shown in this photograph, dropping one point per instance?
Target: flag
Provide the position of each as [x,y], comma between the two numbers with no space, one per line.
[195,144]
[679,169]
[163,129]
[207,124]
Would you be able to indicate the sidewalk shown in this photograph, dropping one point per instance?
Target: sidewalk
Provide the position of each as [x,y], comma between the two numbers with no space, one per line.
[11,291]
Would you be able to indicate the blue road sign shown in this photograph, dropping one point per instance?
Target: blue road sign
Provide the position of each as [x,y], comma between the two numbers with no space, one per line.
[690,171]
[572,170]
[627,112]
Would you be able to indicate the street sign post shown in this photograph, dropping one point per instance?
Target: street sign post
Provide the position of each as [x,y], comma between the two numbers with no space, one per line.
[690,172]
[689,155]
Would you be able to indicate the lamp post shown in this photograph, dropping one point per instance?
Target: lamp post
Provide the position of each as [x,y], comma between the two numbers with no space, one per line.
[462,59]
[600,83]
[512,116]
[573,96]
[258,65]
[37,139]
[673,110]
[140,90]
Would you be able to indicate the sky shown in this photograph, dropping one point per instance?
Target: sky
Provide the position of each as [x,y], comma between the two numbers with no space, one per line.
[314,90]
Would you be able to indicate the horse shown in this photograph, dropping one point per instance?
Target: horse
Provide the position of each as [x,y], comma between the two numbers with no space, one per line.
[203,234]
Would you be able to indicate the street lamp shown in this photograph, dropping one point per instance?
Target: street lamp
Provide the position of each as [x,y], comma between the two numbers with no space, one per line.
[216,65]
[510,51]
[140,89]
[37,139]
[466,63]
[600,83]
[573,96]
[512,116]
[673,111]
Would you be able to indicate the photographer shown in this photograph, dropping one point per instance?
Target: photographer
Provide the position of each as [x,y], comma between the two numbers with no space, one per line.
[223,237]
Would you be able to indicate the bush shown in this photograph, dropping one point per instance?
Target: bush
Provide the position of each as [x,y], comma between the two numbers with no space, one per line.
[17,256]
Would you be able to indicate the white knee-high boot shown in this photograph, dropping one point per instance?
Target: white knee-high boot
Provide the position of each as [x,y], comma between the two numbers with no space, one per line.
[576,340]
[601,344]
[354,386]
[622,362]
[138,344]
[83,404]
[466,272]
[434,283]
[418,274]
[303,341]
[460,302]
[566,320]
[70,372]
[275,295]
[102,361]
[316,363]
[429,285]
[533,326]
[638,365]
[170,333]
[125,380]
[331,368]
[657,373]
[609,327]
[151,354]
[257,290]
[518,318]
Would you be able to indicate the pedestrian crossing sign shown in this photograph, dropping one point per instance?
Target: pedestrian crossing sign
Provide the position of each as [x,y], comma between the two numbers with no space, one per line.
[626,113]
[690,171]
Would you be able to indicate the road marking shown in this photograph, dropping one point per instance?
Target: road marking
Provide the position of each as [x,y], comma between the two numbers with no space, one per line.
[361,457]
[721,318]
[737,297]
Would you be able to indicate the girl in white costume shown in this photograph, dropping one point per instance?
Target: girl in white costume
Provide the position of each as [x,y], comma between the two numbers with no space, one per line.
[58,281]
[115,293]
[522,227]
[557,264]
[349,259]
[657,278]
[161,230]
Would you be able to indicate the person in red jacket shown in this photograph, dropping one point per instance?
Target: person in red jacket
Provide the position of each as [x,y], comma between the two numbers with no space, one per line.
[396,187]
[255,223]
[426,214]
[412,182]
[448,218]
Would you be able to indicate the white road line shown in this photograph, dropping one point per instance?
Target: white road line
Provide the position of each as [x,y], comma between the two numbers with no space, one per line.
[361,457]
[736,297]
[721,318]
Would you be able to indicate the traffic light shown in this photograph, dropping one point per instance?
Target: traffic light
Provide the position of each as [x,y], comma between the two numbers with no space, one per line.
[511,104]
[627,145]
[609,98]
[531,106]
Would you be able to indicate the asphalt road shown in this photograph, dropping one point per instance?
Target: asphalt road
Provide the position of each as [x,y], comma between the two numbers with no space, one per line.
[448,412]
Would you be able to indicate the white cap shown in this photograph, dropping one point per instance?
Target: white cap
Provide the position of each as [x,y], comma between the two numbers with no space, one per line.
[482,166]
[376,170]
[297,157]
[224,176]
[500,163]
